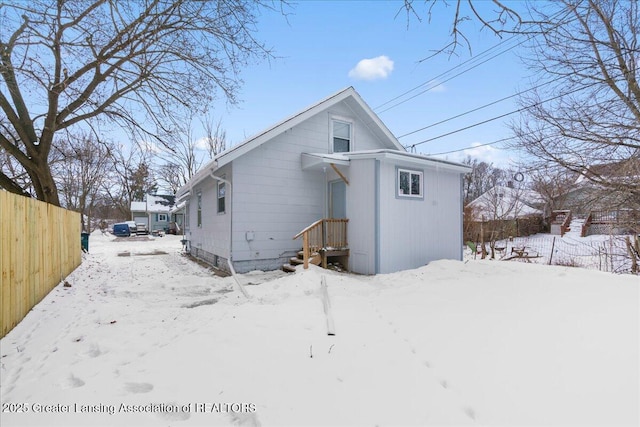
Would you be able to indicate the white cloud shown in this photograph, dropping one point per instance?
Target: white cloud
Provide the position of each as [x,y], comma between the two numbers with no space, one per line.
[435,86]
[484,153]
[372,69]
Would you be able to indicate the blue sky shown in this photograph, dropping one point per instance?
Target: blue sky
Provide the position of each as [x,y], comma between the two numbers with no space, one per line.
[321,43]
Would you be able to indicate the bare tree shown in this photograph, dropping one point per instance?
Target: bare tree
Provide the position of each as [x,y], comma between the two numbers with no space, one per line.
[182,154]
[498,17]
[483,176]
[81,171]
[216,136]
[67,63]
[553,184]
[585,110]
[132,179]
[585,113]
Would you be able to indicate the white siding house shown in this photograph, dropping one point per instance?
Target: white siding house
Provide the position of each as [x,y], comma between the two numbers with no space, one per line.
[335,159]
[154,211]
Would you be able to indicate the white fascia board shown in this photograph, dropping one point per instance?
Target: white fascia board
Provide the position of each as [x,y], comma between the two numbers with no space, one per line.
[417,159]
[379,123]
[315,161]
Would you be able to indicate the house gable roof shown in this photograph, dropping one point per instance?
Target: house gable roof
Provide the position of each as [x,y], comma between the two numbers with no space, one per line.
[502,202]
[348,95]
[154,203]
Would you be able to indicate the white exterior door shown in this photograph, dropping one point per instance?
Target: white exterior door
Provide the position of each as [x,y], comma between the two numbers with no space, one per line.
[337,199]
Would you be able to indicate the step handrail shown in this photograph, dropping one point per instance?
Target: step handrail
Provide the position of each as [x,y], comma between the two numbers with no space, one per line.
[317,235]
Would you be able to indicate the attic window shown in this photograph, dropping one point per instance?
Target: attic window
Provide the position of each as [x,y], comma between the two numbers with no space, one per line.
[341,136]
[410,183]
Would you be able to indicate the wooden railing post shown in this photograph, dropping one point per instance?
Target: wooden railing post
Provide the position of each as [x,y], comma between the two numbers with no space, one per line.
[305,249]
[323,234]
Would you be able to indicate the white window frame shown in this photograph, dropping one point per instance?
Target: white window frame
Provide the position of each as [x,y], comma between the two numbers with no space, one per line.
[199,209]
[224,197]
[162,217]
[411,172]
[332,121]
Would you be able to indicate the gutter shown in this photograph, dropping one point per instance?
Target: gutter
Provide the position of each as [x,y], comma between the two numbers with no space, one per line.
[229,261]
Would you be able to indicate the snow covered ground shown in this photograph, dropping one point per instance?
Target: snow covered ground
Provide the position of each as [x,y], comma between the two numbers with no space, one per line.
[145,337]
[597,252]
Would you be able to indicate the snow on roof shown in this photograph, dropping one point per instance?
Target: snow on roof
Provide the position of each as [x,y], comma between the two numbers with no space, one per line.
[178,207]
[502,202]
[138,206]
[154,203]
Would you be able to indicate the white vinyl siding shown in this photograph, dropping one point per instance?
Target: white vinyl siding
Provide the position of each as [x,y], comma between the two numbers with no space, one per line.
[361,227]
[274,198]
[413,234]
[212,232]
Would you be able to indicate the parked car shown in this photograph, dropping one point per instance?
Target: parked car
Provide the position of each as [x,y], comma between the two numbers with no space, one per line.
[141,228]
[133,227]
[121,229]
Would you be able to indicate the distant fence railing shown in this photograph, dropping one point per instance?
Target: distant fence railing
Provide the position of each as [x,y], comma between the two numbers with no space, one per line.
[39,246]
[609,253]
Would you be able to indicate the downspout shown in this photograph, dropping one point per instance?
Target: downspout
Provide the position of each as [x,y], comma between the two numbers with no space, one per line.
[185,197]
[229,262]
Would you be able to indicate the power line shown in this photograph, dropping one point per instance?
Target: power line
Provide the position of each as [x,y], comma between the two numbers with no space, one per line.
[524,32]
[501,116]
[437,82]
[489,104]
[473,59]
[475,146]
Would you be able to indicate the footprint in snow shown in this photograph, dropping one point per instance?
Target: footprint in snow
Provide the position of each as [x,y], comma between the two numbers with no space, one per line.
[138,387]
[174,416]
[470,412]
[248,419]
[71,382]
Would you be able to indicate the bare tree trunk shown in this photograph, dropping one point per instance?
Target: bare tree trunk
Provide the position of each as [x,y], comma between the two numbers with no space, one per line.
[632,254]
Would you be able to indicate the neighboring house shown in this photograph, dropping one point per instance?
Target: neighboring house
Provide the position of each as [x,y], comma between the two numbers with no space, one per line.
[155,212]
[333,165]
[505,211]
[613,208]
[586,195]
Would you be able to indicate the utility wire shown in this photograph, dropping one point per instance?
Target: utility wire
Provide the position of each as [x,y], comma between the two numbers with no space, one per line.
[529,36]
[473,59]
[501,116]
[490,103]
[439,82]
[479,145]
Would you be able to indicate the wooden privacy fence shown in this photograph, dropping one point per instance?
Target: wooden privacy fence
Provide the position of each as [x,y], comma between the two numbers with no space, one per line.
[39,246]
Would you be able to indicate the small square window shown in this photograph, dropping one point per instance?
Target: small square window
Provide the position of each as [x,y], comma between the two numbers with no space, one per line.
[410,183]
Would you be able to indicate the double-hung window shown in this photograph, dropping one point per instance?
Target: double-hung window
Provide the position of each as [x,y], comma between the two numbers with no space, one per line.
[341,136]
[221,197]
[410,183]
[199,209]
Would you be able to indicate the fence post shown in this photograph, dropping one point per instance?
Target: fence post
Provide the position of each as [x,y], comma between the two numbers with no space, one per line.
[553,244]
